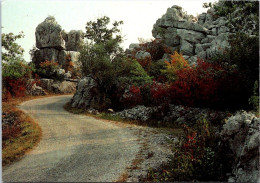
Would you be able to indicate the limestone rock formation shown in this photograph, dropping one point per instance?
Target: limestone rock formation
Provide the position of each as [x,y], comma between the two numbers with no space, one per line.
[139,112]
[54,44]
[241,132]
[52,86]
[49,34]
[74,40]
[178,31]
[85,96]
[64,87]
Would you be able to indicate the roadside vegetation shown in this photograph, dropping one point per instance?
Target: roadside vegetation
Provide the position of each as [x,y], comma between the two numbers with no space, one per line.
[227,82]
[20,133]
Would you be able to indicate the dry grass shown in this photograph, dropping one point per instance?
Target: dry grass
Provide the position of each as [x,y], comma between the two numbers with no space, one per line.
[23,134]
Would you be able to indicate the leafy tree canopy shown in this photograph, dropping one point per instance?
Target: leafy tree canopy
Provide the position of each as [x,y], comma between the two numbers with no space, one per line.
[243,15]
[11,51]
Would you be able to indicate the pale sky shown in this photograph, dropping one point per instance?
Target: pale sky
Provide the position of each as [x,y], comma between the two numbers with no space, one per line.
[138,15]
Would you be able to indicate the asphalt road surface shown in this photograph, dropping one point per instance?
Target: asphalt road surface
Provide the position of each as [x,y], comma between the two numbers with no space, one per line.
[73,148]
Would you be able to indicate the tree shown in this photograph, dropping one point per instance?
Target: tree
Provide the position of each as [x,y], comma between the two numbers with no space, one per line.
[243,16]
[11,51]
[104,60]
[15,71]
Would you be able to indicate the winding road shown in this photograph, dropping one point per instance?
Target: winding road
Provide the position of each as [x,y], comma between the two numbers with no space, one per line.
[73,148]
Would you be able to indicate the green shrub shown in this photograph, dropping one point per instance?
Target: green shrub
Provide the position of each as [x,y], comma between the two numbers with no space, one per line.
[104,60]
[243,55]
[50,69]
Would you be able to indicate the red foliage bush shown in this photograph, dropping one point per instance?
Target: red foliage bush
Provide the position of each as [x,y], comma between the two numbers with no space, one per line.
[159,93]
[14,87]
[207,85]
[133,97]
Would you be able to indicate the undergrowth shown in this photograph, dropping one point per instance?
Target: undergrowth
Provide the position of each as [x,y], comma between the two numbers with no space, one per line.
[20,136]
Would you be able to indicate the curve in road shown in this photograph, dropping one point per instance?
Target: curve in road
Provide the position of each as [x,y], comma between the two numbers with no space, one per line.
[74,148]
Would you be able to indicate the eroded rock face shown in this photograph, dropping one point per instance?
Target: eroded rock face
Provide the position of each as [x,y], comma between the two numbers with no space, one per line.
[49,34]
[64,87]
[54,44]
[139,112]
[194,39]
[85,96]
[49,54]
[74,40]
[241,132]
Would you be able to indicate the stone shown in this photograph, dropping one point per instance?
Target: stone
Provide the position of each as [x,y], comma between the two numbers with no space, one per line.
[110,110]
[221,21]
[134,46]
[198,48]
[220,43]
[190,35]
[171,38]
[49,34]
[86,94]
[243,139]
[46,84]
[186,48]
[202,55]
[202,18]
[65,56]
[223,29]
[45,54]
[64,87]
[193,60]
[36,91]
[67,75]
[139,112]
[74,40]
[142,55]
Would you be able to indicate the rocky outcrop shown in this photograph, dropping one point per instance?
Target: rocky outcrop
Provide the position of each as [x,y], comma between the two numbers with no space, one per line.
[52,86]
[54,44]
[188,115]
[49,34]
[74,40]
[140,113]
[202,38]
[64,87]
[176,114]
[37,91]
[86,94]
[241,132]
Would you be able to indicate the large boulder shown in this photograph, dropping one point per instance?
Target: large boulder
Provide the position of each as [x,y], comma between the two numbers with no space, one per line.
[49,34]
[36,90]
[74,40]
[86,94]
[142,55]
[241,132]
[44,54]
[65,56]
[64,87]
[46,84]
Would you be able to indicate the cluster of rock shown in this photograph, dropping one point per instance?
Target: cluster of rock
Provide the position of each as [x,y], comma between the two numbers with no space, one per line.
[140,113]
[46,86]
[241,132]
[54,44]
[201,38]
[176,114]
